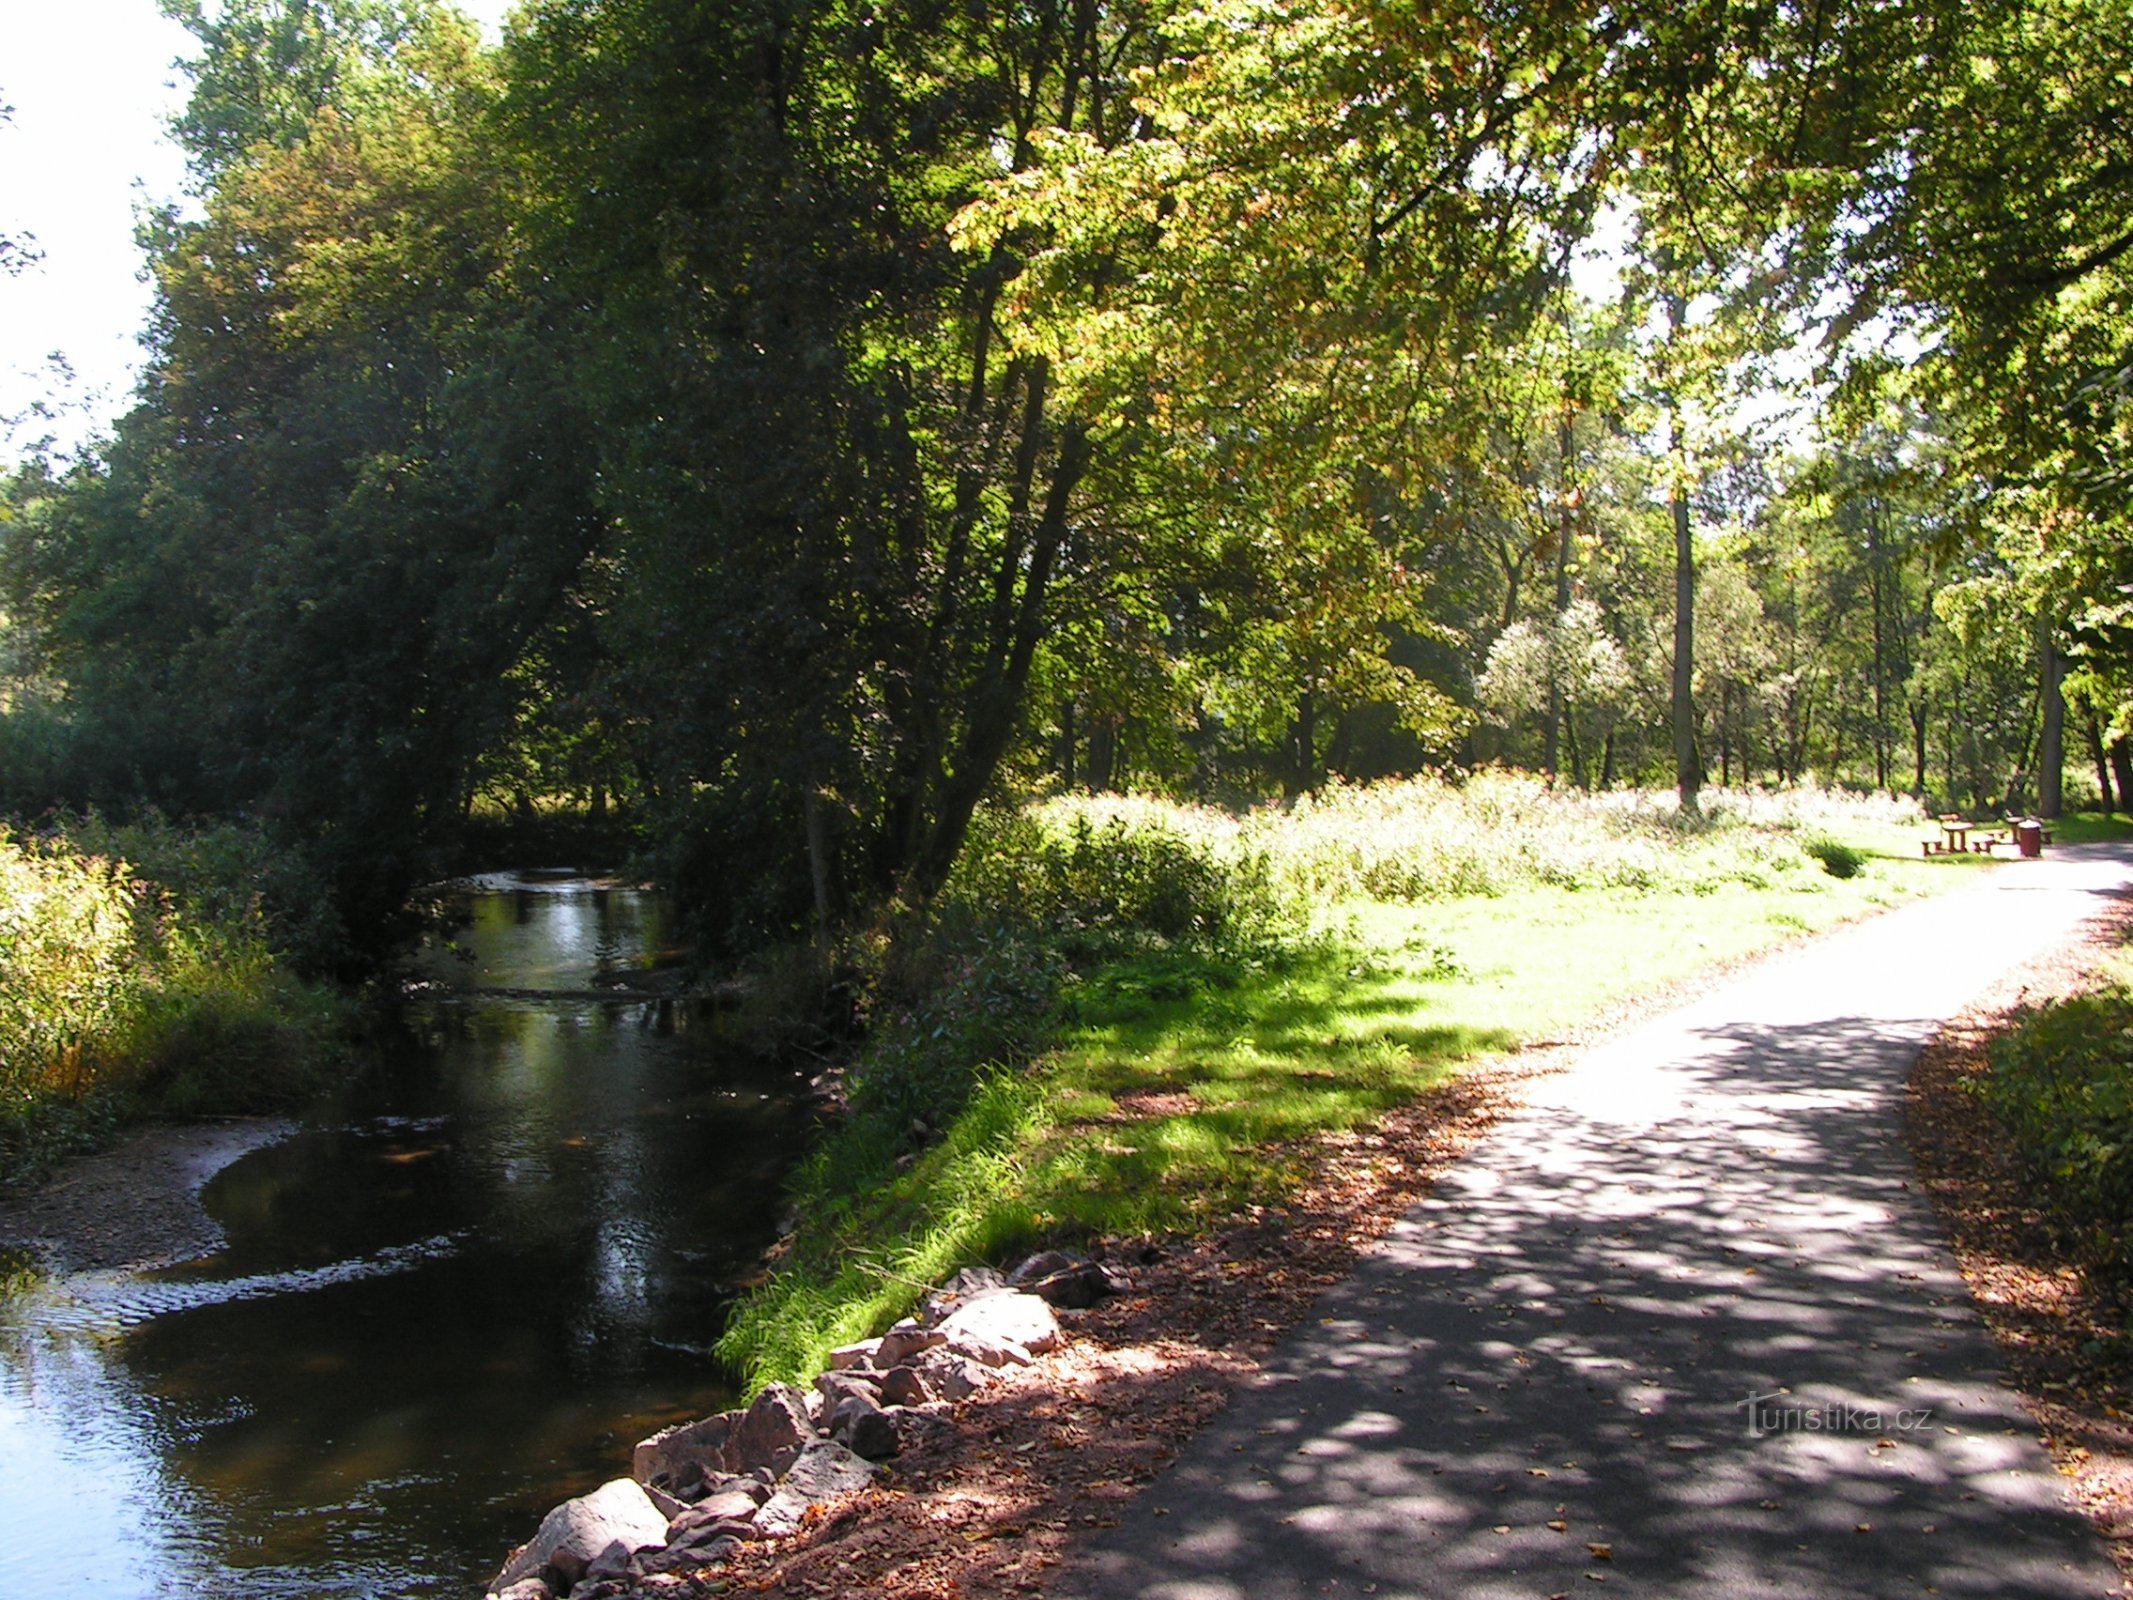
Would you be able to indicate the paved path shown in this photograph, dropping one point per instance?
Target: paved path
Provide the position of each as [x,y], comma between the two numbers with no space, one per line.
[1555,1352]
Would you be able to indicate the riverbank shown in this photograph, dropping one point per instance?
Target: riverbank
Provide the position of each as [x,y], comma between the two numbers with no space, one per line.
[135,1205]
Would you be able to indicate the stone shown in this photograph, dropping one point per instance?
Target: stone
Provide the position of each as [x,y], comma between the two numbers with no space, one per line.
[904,1341]
[728,1506]
[773,1432]
[1013,1318]
[873,1435]
[524,1589]
[904,1386]
[679,1458]
[990,1352]
[825,1471]
[835,1386]
[1044,1264]
[1077,1287]
[951,1376]
[576,1532]
[854,1357]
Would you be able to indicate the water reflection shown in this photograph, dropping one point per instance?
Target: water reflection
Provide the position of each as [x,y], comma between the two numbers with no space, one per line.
[454,1299]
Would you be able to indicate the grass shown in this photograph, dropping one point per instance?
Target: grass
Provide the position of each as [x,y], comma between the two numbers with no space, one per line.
[2061,1083]
[1174,1082]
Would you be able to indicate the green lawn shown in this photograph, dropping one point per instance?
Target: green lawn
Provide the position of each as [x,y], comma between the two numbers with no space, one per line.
[1182,1091]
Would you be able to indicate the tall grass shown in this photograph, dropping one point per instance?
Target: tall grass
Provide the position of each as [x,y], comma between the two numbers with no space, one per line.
[119,994]
[1129,1015]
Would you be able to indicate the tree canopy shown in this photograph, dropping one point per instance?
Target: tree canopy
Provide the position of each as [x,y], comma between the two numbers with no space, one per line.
[781,424]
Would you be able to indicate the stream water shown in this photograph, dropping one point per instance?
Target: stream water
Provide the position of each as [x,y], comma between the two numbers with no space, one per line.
[452,1299]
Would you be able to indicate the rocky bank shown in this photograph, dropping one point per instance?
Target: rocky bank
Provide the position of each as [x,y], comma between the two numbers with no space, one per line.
[699,1492]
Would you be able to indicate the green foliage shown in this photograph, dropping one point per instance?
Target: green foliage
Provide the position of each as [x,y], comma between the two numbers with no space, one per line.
[1428,839]
[2062,1082]
[1125,1045]
[1839,860]
[119,992]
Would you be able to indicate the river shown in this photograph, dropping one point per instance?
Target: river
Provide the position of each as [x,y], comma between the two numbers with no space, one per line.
[456,1296]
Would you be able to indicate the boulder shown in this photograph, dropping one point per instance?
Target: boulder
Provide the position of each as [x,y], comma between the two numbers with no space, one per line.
[824,1471]
[854,1357]
[578,1531]
[951,1376]
[904,1341]
[873,1434]
[989,1352]
[727,1510]
[1013,1318]
[773,1432]
[680,1458]
[524,1589]
[903,1386]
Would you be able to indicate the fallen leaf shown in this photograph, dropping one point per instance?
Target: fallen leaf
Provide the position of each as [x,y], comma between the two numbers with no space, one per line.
[1601,1552]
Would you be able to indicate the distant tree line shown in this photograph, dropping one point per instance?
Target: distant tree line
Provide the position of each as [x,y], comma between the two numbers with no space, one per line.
[781,423]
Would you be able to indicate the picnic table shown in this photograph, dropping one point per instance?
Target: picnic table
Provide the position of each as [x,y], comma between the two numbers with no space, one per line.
[1956,840]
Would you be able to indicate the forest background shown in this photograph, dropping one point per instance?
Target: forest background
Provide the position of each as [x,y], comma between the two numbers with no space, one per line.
[767,432]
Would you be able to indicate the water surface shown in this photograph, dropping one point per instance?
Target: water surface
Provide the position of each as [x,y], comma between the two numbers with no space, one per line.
[454,1298]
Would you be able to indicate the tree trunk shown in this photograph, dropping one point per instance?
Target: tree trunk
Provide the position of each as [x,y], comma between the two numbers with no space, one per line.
[819,869]
[2103,767]
[1725,734]
[1918,749]
[1304,775]
[2121,754]
[1688,774]
[1103,752]
[1066,743]
[1562,590]
[2051,738]
[1881,713]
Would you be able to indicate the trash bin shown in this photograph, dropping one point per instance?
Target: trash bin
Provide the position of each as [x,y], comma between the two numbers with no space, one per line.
[2029,837]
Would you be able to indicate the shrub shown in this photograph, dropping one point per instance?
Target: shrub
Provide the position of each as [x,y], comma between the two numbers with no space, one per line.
[2062,1083]
[1838,859]
[118,993]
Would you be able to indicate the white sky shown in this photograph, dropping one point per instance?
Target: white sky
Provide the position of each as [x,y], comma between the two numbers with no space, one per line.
[91,82]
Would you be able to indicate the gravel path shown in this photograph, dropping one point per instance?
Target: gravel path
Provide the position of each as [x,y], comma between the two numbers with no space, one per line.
[1683,1327]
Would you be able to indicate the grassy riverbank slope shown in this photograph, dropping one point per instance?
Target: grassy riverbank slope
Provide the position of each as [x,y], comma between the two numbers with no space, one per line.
[1134,1017]
[137,978]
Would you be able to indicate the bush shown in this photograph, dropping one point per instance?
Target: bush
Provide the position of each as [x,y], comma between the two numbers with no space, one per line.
[119,995]
[1097,873]
[2062,1083]
[1838,859]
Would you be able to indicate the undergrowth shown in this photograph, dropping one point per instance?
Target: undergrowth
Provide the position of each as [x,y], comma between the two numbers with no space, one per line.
[2061,1082]
[124,995]
[1130,1017]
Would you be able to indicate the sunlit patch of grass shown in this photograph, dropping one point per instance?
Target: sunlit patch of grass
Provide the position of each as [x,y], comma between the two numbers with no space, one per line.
[1186,1081]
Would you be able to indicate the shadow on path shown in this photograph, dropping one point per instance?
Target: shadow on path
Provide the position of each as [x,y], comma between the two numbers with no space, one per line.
[1547,1377]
